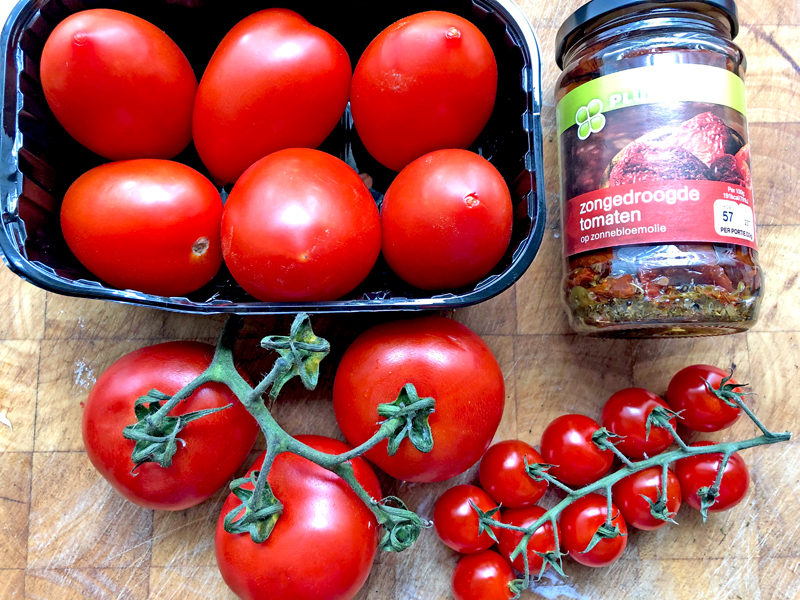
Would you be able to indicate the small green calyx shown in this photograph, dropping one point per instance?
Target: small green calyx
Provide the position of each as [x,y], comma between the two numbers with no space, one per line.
[401,527]
[301,353]
[708,496]
[157,439]
[659,509]
[727,391]
[602,438]
[485,520]
[516,587]
[536,470]
[660,417]
[552,558]
[604,532]
[410,414]
[260,514]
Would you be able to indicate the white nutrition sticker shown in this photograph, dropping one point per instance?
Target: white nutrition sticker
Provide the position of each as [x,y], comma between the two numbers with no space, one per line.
[734,219]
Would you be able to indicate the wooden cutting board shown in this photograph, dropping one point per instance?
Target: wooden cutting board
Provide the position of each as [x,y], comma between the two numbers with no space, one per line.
[65,534]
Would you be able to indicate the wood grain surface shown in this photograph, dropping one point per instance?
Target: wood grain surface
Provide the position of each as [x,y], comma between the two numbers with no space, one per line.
[65,534]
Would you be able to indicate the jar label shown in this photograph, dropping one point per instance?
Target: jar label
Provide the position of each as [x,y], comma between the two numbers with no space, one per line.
[656,155]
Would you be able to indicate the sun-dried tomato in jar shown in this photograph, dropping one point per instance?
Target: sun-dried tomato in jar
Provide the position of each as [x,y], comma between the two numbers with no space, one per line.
[657,201]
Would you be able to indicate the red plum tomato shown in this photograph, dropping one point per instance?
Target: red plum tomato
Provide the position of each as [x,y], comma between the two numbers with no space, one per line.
[700,409]
[697,472]
[628,492]
[579,522]
[503,474]
[482,576]
[446,220]
[324,542]
[542,539]
[300,226]
[119,85]
[426,83]
[444,360]
[567,444]
[274,82]
[457,523]
[148,225]
[226,436]
[626,414]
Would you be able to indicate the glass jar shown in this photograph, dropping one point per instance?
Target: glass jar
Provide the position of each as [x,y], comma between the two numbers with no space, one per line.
[657,202]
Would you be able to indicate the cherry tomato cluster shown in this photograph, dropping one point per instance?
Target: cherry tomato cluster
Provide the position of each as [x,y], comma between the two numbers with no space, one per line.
[299,225]
[575,452]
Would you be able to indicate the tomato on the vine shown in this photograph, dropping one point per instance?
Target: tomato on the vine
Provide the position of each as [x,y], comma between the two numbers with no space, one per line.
[300,226]
[147,225]
[216,445]
[324,542]
[503,474]
[695,472]
[426,83]
[456,522]
[119,85]
[274,82]
[580,521]
[700,409]
[446,220]
[543,539]
[626,414]
[444,360]
[483,576]
[567,445]
[628,496]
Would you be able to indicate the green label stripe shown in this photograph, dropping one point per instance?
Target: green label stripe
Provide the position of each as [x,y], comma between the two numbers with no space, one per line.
[650,85]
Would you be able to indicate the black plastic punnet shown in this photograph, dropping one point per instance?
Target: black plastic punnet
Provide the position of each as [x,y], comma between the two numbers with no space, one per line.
[39,160]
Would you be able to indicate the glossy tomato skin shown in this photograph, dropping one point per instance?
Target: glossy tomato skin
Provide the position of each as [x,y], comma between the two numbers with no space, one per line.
[227,436]
[567,444]
[482,576]
[457,523]
[580,520]
[696,472]
[628,492]
[446,220]
[274,82]
[626,414]
[542,539]
[503,475]
[700,409]
[119,85]
[148,225]
[300,226]
[444,360]
[426,83]
[324,543]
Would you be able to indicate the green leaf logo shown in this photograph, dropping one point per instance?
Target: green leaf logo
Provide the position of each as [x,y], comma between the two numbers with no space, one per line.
[590,119]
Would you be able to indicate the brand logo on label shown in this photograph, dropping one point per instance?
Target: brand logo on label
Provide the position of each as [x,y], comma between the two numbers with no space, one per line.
[590,119]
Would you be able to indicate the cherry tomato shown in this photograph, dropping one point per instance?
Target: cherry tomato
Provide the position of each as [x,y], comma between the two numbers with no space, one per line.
[147,225]
[696,472]
[700,409]
[324,542]
[567,444]
[446,220]
[193,477]
[300,226]
[457,523]
[426,83]
[626,414]
[542,539]
[482,576]
[119,85]
[504,478]
[274,82]
[579,522]
[444,360]
[628,493]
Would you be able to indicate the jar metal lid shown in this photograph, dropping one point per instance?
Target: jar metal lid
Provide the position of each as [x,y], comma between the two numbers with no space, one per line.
[596,10]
